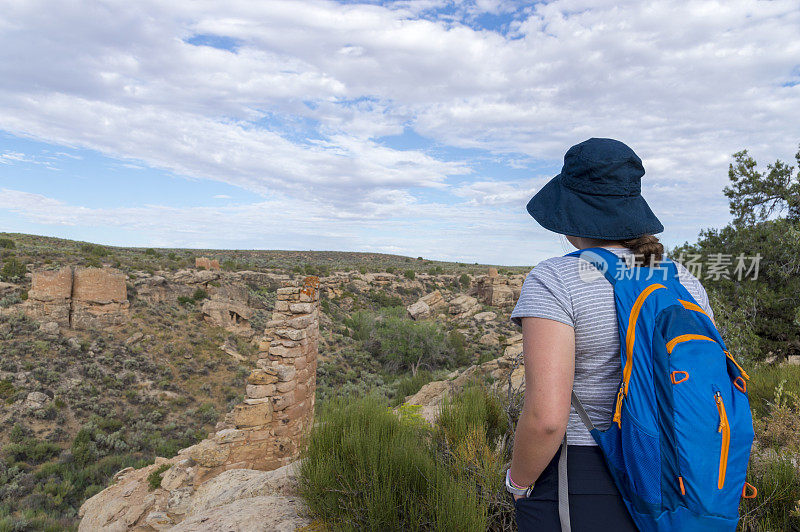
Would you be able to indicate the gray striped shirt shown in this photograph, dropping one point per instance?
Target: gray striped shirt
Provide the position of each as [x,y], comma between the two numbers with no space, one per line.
[555,290]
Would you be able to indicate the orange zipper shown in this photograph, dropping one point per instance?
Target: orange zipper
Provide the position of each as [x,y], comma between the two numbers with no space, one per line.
[725,429]
[685,338]
[630,339]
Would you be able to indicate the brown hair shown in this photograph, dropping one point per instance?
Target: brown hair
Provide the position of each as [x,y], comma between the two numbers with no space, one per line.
[647,249]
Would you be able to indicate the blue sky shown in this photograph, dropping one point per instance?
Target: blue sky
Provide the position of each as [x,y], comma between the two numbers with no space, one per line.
[419,127]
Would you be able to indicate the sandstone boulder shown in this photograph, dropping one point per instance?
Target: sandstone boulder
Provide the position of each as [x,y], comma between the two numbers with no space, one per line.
[490,338]
[50,328]
[434,300]
[484,316]
[123,505]
[235,500]
[419,310]
[36,400]
[359,286]
[8,288]
[269,513]
[235,484]
[209,453]
[464,306]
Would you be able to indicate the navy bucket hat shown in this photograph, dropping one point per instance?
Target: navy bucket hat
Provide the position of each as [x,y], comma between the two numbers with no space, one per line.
[597,194]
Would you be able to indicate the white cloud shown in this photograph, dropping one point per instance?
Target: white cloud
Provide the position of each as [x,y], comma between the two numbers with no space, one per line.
[297,110]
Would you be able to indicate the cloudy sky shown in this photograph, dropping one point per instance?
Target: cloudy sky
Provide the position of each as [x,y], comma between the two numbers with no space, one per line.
[419,127]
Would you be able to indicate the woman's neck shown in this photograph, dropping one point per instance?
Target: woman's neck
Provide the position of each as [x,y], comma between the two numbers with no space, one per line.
[583,243]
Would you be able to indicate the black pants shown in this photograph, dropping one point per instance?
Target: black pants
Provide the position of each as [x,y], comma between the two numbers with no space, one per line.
[594,501]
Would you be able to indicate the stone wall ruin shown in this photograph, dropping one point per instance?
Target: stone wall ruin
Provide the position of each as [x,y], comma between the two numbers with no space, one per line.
[79,297]
[268,430]
[205,262]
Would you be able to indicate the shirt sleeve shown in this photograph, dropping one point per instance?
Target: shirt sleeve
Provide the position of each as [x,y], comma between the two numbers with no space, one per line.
[544,295]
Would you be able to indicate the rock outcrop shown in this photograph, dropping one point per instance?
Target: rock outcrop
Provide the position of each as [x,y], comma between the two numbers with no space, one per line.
[498,290]
[228,307]
[79,297]
[464,306]
[427,306]
[239,499]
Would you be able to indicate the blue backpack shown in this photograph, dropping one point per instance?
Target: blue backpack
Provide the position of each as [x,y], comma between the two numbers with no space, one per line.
[679,442]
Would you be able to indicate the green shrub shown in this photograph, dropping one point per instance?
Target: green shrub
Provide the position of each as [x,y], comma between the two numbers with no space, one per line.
[31,451]
[361,325]
[475,408]
[368,469]
[7,390]
[186,301]
[12,270]
[155,477]
[206,414]
[7,243]
[199,295]
[464,280]
[95,250]
[409,274]
[383,300]
[152,252]
[472,432]
[401,344]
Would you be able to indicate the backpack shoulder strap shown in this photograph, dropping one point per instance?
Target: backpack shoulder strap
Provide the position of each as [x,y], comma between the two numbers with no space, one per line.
[576,403]
[604,260]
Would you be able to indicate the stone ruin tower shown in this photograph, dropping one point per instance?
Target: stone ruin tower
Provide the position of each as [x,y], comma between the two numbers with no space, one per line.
[79,297]
[269,429]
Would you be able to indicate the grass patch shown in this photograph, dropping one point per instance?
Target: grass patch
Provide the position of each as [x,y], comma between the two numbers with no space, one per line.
[368,469]
[776,506]
[765,380]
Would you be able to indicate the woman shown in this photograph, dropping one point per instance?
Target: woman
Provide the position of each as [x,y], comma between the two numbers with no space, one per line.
[571,338]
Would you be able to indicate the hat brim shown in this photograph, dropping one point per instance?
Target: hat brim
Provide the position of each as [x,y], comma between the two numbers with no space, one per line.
[568,212]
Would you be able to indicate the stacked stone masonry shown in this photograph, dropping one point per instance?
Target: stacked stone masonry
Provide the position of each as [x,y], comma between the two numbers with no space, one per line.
[268,430]
[205,262]
[79,297]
